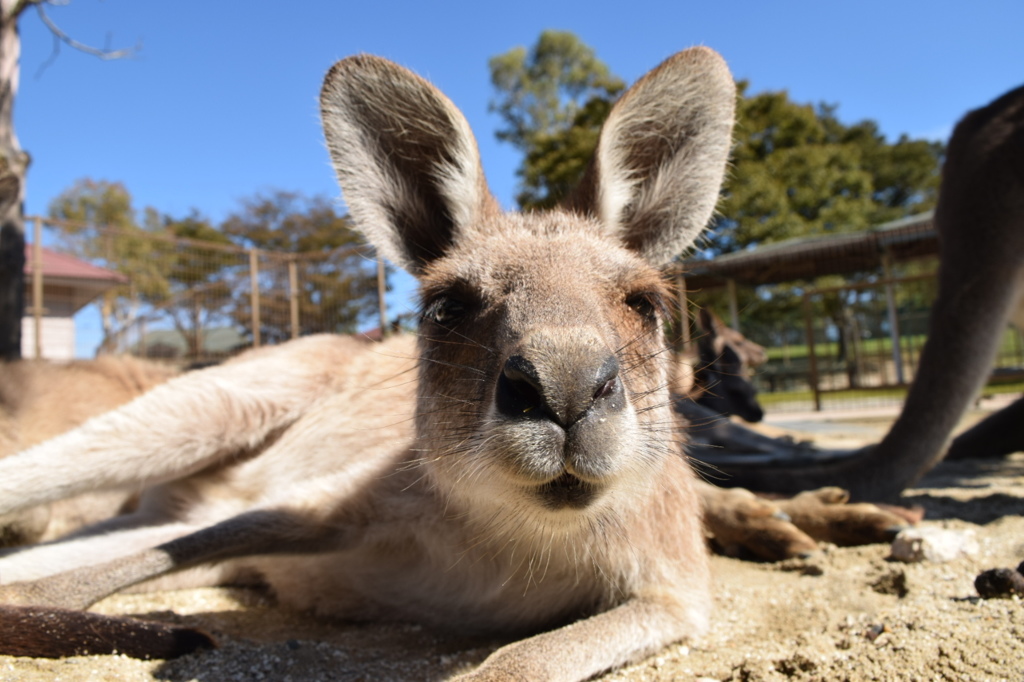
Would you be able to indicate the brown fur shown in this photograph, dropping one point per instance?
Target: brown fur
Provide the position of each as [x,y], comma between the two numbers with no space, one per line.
[82,633]
[40,400]
[715,370]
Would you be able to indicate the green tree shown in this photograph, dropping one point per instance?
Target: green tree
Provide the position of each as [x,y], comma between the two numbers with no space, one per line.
[103,230]
[336,280]
[174,269]
[201,268]
[799,171]
[552,99]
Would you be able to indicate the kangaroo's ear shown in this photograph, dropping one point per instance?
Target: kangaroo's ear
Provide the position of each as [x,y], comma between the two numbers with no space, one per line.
[661,156]
[708,322]
[406,160]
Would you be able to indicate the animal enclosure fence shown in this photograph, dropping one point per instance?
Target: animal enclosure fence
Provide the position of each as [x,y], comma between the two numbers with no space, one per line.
[855,343]
[843,318]
[195,301]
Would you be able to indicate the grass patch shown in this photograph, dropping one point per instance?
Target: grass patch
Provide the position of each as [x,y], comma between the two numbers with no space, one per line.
[852,397]
[881,346]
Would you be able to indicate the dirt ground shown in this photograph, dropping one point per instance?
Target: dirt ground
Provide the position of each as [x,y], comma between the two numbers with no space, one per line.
[849,614]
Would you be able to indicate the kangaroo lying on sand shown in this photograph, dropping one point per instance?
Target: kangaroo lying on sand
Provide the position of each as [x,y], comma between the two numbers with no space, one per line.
[516,470]
[538,483]
[980,221]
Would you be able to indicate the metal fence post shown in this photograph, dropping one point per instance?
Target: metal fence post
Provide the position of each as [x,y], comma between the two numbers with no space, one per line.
[894,318]
[254,294]
[734,312]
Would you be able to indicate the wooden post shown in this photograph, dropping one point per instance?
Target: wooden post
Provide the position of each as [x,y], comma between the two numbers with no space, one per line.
[811,355]
[734,311]
[37,285]
[293,295]
[382,287]
[254,295]
[683,340]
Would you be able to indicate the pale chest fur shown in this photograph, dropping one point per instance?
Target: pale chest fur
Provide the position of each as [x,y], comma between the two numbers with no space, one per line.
[422,561]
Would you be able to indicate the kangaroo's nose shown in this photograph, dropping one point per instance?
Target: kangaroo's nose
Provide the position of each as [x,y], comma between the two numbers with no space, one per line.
[563,392]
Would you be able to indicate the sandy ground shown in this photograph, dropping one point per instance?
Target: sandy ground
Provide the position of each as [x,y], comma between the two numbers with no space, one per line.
[848,614]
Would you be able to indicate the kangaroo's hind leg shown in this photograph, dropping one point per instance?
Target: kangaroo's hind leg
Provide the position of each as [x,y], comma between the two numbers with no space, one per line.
[39,611]
[258,532]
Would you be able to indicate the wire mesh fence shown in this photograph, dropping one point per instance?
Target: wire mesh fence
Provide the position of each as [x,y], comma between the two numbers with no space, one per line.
[851,346]
[191,301]
[188,300]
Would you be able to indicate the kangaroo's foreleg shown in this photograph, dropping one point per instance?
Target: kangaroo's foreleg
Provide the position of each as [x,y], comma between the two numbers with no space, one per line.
[585,648]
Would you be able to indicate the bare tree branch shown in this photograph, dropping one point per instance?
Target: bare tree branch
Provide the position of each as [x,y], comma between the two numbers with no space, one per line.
[60,36]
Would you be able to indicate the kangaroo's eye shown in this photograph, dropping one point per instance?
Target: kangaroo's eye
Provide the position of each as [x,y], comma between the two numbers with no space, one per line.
[445,311]
[645,304]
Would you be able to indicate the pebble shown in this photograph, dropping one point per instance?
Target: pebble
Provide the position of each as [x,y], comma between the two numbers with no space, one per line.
[914,545]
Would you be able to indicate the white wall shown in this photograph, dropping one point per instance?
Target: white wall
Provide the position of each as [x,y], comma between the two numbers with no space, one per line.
[58,336]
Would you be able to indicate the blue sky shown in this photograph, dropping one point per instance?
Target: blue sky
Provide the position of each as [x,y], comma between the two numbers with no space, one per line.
[221,100]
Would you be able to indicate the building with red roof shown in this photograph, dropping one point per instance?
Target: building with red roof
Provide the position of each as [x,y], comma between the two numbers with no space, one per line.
[69,284]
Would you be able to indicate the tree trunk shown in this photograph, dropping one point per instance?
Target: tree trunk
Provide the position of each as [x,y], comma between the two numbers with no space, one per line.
[13,165]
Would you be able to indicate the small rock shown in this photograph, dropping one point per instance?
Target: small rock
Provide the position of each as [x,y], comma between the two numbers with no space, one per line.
[999,582]
[933,544]
[891,582]
[875,631]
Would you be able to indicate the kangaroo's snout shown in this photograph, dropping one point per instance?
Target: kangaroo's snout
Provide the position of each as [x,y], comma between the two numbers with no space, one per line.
[560,398]
[563,391]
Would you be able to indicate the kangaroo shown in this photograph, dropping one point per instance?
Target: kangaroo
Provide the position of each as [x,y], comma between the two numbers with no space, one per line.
[717,375]
[515,472]
[980,221]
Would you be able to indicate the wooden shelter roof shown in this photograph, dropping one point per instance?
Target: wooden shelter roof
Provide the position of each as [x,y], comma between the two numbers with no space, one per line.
[805,258]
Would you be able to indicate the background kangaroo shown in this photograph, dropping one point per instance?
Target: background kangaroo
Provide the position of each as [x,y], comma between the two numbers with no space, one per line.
[714,373]
[540,482]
